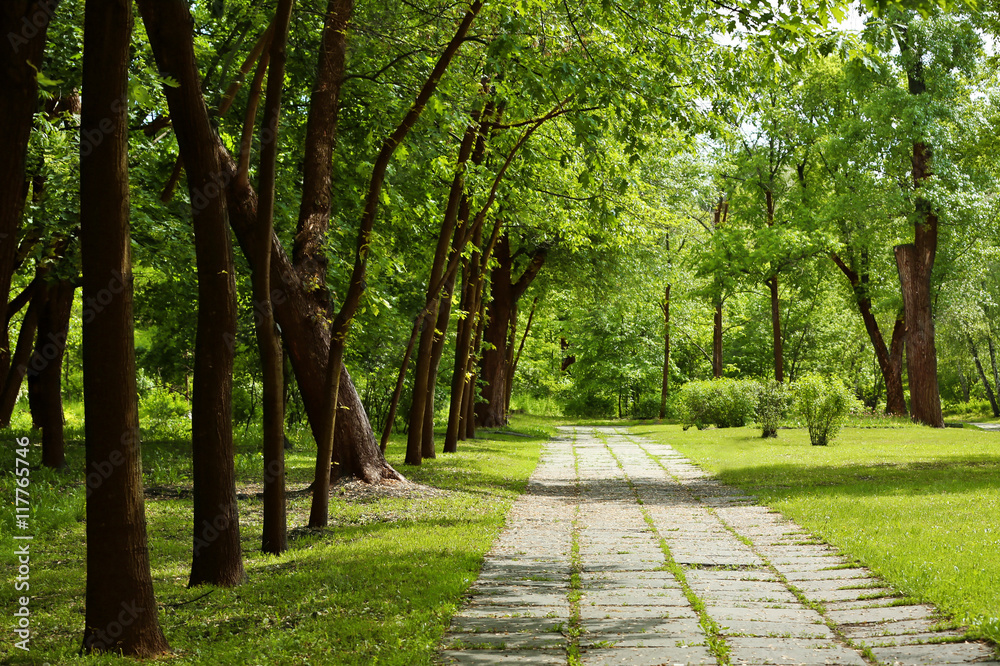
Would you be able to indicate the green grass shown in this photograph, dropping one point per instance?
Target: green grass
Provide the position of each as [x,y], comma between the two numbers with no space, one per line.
[378,587]
[919,506]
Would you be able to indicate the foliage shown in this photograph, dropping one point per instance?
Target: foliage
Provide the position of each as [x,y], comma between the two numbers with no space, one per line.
[724,402]
[772,405]
[824,403]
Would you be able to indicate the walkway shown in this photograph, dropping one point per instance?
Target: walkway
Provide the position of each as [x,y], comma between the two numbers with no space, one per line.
[622,552]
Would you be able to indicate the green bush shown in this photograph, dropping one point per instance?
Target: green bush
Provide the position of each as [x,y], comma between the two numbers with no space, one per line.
[823,403]
[160,407]
[590,406]
[772,405]
[726,403]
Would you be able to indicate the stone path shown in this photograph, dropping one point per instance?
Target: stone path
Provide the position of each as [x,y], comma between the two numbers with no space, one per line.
[623,552]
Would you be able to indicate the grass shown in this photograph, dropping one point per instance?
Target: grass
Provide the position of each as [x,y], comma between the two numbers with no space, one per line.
[919,506]
[377,587]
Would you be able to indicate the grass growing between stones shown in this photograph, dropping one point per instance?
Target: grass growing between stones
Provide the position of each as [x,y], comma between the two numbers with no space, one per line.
[919,506]
[378,586]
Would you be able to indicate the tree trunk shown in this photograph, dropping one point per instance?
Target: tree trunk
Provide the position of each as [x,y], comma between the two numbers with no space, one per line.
[121,612]
[779,370]
[319,512]
[299,311]
[993,361]
[24,26]
[217,557]
[321,139]
[915,263]
[46,372]
[717,341]
[494,364]
[921,361]
[990,395]
[464,334]
[665,384]
[516,357]
[890,363]
[470,394]
[274,537]
[22,357]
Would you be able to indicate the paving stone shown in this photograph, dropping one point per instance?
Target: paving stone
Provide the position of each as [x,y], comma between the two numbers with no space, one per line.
[848,595]
[561,611]
[647,656]
[491,657]
[943,653]
[908,639]
[825,574]
[834,583]
[501,625]
[517,595]
[886,614]
[773,629]
[900,628]
[635,597]
[504,641]
[686,628]
[589,612]
[639,640]
[801,615]
[796,651]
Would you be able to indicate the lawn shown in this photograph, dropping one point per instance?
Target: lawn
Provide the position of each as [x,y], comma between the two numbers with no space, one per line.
[919,506]
[378,587]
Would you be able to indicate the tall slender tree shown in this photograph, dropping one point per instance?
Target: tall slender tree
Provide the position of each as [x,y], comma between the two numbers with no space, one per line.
[120,604]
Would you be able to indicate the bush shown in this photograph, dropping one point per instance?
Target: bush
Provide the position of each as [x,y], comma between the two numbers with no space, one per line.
[590,406]
[823,403]
[161,406]
[772,404]
[727,403]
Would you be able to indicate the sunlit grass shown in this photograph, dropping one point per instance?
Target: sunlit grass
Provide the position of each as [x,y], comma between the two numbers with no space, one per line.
[378,586]
[919,506]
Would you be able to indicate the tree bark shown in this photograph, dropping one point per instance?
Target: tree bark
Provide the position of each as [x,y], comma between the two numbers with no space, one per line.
[516,358]
[24,26]
[779,369]
[717,340]
[493,366]
[217,557]
[119,584]
[274,537]
[890,363]
[921,360]
[665,384]
[22,357]
[46,369]
[915,264]
[990,395]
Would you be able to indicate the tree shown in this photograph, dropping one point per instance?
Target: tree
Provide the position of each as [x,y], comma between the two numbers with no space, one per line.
[121,608]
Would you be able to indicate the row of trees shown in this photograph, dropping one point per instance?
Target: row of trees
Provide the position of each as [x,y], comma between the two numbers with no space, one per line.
[397,169]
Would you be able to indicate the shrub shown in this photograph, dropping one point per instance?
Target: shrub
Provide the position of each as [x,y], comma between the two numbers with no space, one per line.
[160,407]
[727,403]
[590,406]
[772,404]
[823,403]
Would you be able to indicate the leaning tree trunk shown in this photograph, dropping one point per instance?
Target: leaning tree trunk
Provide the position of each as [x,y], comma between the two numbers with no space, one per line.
[218,556]
[22,357]
[23,27]
[889,359]
[779,364]
[121,611]
[982,375]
